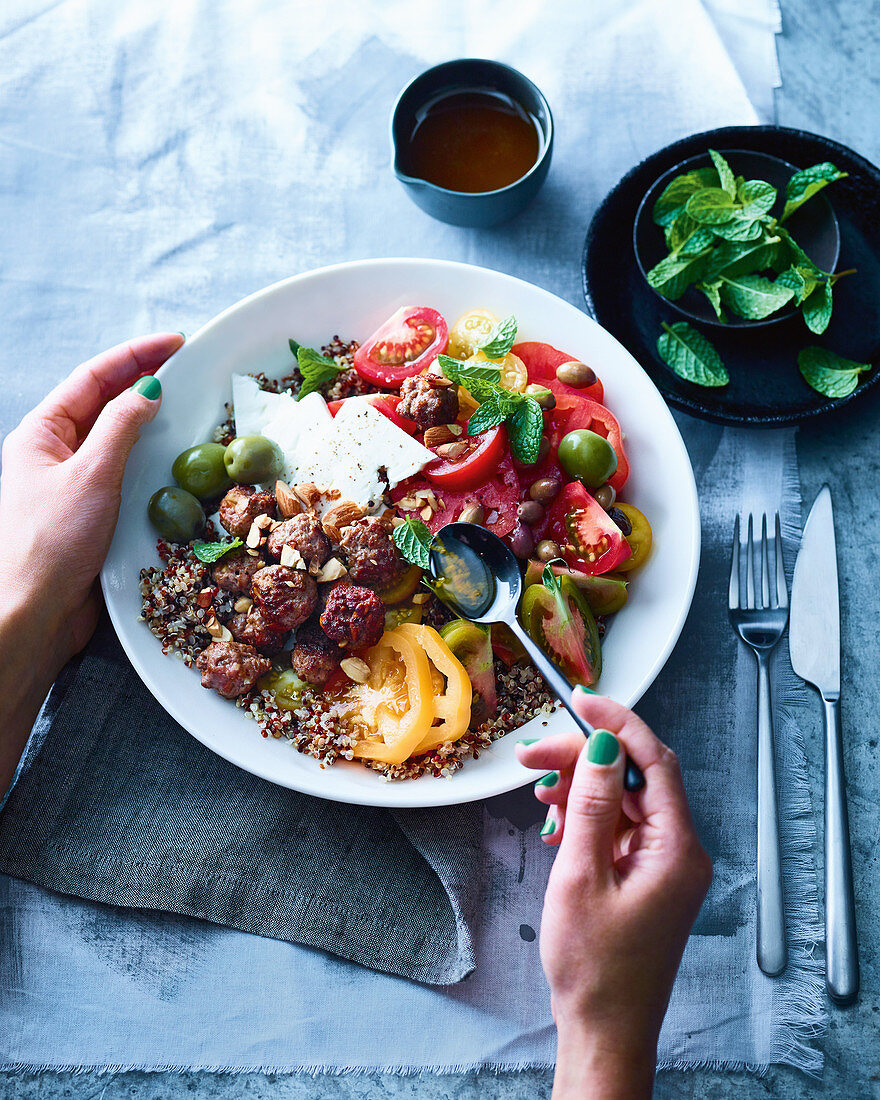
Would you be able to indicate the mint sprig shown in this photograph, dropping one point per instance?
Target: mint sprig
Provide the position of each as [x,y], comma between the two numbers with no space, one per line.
[209,552]
[413,539]
[316,369]
[719,230]
[500,340]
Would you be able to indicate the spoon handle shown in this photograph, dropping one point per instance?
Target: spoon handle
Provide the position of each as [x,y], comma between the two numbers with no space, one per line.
[633,780]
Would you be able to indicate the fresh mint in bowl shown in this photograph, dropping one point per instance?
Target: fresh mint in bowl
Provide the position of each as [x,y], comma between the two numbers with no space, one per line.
[741,239]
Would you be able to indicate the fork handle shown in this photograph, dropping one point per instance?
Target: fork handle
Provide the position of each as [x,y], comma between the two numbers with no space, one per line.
[841,951]
[772,953]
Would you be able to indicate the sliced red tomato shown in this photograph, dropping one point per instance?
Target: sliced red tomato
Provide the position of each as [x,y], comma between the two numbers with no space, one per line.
[582,412]
[473,466]
[408,342]
[590,540]
[558,618]
[541,361]
[386,403]
[499,496]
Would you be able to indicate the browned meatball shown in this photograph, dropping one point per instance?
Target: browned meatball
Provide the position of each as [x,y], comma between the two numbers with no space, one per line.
[285,596]
[252,629]
[314,657]
[235,571]
[241,506]
[370,553]
[429,400]
[305,534]
[231,668]
[353,616]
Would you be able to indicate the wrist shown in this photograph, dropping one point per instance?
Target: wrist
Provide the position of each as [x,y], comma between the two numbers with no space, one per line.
[602,1063]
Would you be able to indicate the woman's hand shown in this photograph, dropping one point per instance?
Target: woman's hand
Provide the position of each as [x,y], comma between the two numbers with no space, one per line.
[624,891]
[59,500]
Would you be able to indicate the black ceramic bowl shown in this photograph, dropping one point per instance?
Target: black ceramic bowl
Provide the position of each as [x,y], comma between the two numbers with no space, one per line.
[813,226]
[476,209]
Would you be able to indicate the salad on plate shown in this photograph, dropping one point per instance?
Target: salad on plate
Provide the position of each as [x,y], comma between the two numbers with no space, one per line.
[294,545]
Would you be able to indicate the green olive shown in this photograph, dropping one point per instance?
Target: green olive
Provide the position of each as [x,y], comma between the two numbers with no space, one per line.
[201,471]
[588,457]
[252,459]
[176,514]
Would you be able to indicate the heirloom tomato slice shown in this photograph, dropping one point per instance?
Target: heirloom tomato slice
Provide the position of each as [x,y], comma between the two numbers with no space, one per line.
[475,465]
[541,361]
[590,540]
[408,343]
[559,620]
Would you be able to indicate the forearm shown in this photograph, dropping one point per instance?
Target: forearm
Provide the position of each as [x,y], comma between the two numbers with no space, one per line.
[621,1068]
[30,659]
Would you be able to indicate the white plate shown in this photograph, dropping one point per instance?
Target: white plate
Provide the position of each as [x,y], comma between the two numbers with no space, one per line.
[352,299]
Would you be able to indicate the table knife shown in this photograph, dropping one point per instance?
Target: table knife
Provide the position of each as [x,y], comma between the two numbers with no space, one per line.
[814,643]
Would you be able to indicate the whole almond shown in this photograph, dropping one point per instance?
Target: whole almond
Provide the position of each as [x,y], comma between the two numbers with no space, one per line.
[288,504]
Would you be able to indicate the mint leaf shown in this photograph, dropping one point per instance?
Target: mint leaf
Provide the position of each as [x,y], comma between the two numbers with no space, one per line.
[828,373]
[753,296]
[757,198]
[817,307]
[674,274]
[294,347]
[500,340]
[677,192]
[725,176]
[686,237]
[489,415]
[796,253]
[209,552]
[742,257]
[524,430]
[712,292]
[413,539]
[808,182]
[316,370]
[797,281]
[690,355]
[711,206]
[739,228]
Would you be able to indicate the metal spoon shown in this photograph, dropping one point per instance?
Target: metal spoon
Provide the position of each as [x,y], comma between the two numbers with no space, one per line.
[478,577]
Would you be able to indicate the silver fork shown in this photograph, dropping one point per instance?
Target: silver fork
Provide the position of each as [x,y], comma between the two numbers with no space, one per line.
[759,620]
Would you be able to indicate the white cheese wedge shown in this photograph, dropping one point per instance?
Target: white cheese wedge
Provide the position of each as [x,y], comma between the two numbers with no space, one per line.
[290,423]
[361,453]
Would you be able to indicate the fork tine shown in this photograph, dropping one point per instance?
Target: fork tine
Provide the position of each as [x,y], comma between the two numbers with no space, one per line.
[733,588]
[781,585]
[765,566]
[750,568]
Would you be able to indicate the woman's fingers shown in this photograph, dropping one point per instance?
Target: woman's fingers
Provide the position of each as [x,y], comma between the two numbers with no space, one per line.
[106,448]
[663,793]
[592,812]
[74,404]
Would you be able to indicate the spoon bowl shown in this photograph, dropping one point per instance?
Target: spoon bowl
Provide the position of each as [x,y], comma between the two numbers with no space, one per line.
[478,577]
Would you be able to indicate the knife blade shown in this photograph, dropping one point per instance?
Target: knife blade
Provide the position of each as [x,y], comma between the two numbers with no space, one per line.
[814,645]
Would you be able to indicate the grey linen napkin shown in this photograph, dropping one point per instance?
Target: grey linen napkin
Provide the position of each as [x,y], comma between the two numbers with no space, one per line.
[117,803]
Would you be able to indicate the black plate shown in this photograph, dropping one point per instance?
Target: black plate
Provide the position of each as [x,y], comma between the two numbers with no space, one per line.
[766,389]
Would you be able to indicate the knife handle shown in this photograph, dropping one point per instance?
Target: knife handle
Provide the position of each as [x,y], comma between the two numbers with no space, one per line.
[841,948]
[772,952]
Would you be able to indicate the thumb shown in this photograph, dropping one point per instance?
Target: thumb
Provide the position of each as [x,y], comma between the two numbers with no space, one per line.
[594,804]
[106,448]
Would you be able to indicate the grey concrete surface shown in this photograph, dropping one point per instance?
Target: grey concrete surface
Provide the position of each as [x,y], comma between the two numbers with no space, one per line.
[830,58]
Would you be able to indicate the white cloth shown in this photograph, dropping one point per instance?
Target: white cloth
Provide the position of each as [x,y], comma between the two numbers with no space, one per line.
[161,160]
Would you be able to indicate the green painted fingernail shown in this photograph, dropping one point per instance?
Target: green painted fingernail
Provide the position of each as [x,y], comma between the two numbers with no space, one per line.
[548,780]
[549,827]
[183,334]
[529,741]
[586,690]
[602,748]
[148,387]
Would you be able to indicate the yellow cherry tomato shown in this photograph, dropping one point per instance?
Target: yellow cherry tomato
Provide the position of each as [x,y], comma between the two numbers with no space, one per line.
[469,332]
[514,375]
[640,539]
